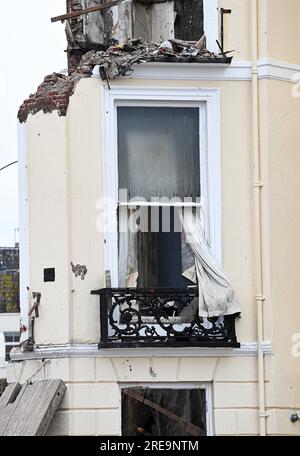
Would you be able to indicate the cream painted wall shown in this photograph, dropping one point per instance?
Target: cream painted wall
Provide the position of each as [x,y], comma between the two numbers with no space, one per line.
[49,224]
[237,28]
[284,211]
[283,30]
[85,188]
[279,24]
[92,405]
[65,182]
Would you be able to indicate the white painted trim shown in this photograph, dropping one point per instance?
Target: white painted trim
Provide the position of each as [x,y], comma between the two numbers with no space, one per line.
[92,351]
[208,101]
[24,224]
[280,71]
[237,71]
[211,24]
[207,386]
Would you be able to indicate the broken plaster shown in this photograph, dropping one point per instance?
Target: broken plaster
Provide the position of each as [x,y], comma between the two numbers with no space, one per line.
[117,61]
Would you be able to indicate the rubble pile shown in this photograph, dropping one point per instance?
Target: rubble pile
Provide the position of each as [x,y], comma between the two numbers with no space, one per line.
[117,60]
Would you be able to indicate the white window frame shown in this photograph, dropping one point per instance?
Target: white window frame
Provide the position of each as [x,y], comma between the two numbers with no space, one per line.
[11,344]
[208,101]
[182,385]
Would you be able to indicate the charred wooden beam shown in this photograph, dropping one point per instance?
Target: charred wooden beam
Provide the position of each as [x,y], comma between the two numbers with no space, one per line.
[81,12]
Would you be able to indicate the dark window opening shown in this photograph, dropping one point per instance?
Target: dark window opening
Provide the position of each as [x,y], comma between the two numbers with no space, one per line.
[189,19]
[162,254]
[163,412]
[49,275]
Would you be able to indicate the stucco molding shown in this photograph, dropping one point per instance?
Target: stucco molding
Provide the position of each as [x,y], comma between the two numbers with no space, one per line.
[237,71]
[92,351]
[273,69]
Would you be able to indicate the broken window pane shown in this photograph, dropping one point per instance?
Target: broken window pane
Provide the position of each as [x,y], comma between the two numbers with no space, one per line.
[163,412]
[158,150]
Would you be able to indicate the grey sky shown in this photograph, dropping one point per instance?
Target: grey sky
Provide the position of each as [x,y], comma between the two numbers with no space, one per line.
[31,47]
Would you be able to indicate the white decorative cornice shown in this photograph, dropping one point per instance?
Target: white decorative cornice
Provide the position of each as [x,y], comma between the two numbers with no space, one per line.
[273,69]
[237,71]
[240,71]
[92,351]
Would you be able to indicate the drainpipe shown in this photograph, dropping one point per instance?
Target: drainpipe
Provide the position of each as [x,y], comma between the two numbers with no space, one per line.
[257,187]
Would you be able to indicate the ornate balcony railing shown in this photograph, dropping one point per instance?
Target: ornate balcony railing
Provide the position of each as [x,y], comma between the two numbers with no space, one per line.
[159,317]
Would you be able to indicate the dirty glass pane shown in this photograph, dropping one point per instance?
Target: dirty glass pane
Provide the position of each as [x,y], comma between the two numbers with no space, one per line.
[158,152]
[163,412]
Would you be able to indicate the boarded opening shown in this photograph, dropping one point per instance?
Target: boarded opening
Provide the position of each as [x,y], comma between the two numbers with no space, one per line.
[163,412]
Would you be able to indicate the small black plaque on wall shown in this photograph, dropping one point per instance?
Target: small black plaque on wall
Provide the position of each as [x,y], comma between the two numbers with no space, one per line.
[49,275]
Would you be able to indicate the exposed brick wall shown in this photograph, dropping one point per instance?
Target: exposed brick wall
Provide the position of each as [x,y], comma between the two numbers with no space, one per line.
[52,95]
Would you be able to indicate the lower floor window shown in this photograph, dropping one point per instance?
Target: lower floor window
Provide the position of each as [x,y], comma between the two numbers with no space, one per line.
[11,340]
[164,412]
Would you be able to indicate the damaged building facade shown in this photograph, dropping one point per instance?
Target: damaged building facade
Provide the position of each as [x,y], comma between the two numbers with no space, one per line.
[160,332]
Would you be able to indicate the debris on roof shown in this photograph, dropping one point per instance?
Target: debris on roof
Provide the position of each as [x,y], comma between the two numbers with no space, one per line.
[117,60]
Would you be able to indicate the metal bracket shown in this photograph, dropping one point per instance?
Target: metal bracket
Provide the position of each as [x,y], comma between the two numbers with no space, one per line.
[223,11]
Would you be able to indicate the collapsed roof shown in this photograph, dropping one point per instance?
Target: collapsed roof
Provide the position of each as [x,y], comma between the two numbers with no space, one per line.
[103,39]
[149,20]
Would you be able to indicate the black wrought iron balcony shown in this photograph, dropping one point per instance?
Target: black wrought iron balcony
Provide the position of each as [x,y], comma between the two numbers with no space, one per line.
[159,317]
